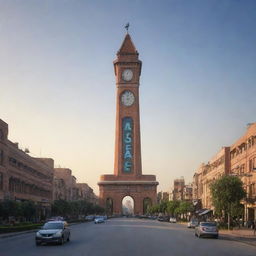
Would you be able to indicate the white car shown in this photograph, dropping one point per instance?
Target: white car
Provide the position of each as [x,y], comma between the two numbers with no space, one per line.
[99,219]
[172,220]
[192,224]
[53,232]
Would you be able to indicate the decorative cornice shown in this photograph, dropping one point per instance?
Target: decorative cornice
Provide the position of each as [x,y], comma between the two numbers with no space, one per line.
[127,182]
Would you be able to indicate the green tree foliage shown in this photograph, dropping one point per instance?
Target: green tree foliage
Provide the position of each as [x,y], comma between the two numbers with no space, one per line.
[61,208]
[184,208]
[28,210]
[172,206]
[227,192]
[75,208]
[163,207]
[154,209]
[11,208]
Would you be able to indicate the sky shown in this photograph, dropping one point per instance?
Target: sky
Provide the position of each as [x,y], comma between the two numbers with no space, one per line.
[197,86]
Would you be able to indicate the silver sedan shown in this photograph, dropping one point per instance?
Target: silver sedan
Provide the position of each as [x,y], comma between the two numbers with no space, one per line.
[207,229]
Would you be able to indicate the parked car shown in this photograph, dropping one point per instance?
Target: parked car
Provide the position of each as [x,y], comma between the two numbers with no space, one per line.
[207,229]
[160,218]
[89,218]
[53,232]
[99,219]
[172,220]
[55,218]
[192,223]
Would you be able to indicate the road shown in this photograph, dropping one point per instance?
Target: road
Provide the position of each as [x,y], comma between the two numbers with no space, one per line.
[126,237]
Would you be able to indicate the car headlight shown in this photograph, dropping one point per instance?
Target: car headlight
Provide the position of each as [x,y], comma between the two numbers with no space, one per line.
[38,234]
[57,234]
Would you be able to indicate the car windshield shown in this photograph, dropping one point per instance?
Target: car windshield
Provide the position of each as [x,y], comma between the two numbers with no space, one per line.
[53,226]
[208,224]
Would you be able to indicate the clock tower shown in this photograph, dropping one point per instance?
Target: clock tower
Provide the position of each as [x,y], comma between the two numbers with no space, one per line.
[128,179]
[127,68]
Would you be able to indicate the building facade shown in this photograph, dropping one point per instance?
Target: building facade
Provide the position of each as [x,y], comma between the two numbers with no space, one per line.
[243,165]
[238,160]
[23,177]
[66,187]
[178,189]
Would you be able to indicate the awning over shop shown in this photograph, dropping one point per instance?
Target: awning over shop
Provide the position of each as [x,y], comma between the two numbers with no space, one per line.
[205,212]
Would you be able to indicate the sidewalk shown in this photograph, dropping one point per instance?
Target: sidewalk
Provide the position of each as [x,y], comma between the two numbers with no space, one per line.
[5,235]
[241,235]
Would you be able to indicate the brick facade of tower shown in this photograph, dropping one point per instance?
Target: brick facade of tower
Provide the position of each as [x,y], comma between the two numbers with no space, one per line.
[127,179]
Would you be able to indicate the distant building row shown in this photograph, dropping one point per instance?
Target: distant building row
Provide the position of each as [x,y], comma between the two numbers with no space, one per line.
[23,177]
[238,160]
[179,192]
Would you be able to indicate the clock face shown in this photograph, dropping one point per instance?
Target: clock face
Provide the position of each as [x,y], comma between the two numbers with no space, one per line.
[127,75]
[127,98]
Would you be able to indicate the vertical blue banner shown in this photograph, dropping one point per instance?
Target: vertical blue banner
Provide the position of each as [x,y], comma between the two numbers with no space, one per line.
[127,144]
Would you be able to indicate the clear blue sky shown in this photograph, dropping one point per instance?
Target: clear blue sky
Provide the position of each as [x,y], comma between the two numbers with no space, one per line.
[57,85]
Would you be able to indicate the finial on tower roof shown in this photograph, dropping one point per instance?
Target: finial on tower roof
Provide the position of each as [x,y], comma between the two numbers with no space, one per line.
[127,27]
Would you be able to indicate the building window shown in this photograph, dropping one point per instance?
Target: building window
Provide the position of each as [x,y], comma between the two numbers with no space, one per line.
[1,181]
[1,157]
[252,164]
[1,135]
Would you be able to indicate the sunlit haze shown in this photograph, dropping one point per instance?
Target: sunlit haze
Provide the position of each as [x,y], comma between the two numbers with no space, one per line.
[197,87]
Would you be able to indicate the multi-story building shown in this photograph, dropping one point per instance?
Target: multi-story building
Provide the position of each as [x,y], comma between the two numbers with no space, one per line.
[23,177]
[188,192]
[207,173]
[178,189]
[64,184]
[243,165]
[163,196]
[66,188]
[238,160]
[86,192]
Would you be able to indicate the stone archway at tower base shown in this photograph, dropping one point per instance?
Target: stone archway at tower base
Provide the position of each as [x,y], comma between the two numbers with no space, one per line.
[117,190]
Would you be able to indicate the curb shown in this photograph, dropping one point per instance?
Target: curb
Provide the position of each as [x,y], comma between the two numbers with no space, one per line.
[2,236]
[238,239]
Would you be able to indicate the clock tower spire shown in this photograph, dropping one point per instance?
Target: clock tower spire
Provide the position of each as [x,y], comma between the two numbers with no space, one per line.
[127,68]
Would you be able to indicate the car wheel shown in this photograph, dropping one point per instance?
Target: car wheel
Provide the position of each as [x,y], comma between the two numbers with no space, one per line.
[216,236]
[38,243]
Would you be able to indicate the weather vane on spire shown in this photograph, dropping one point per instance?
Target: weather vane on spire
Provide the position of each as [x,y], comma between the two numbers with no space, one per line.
[127,26]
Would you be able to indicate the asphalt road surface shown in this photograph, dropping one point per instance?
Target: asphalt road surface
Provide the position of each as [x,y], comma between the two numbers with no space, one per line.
[127,237]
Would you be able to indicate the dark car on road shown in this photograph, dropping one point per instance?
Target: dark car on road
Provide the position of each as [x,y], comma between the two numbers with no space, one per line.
[53,232]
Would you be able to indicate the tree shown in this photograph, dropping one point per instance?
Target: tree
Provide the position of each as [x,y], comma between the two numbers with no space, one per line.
[154,209]
[28,210]
[61,208]
[172,206]
[10,208]
[184,208]
[227,192]
[163,207]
